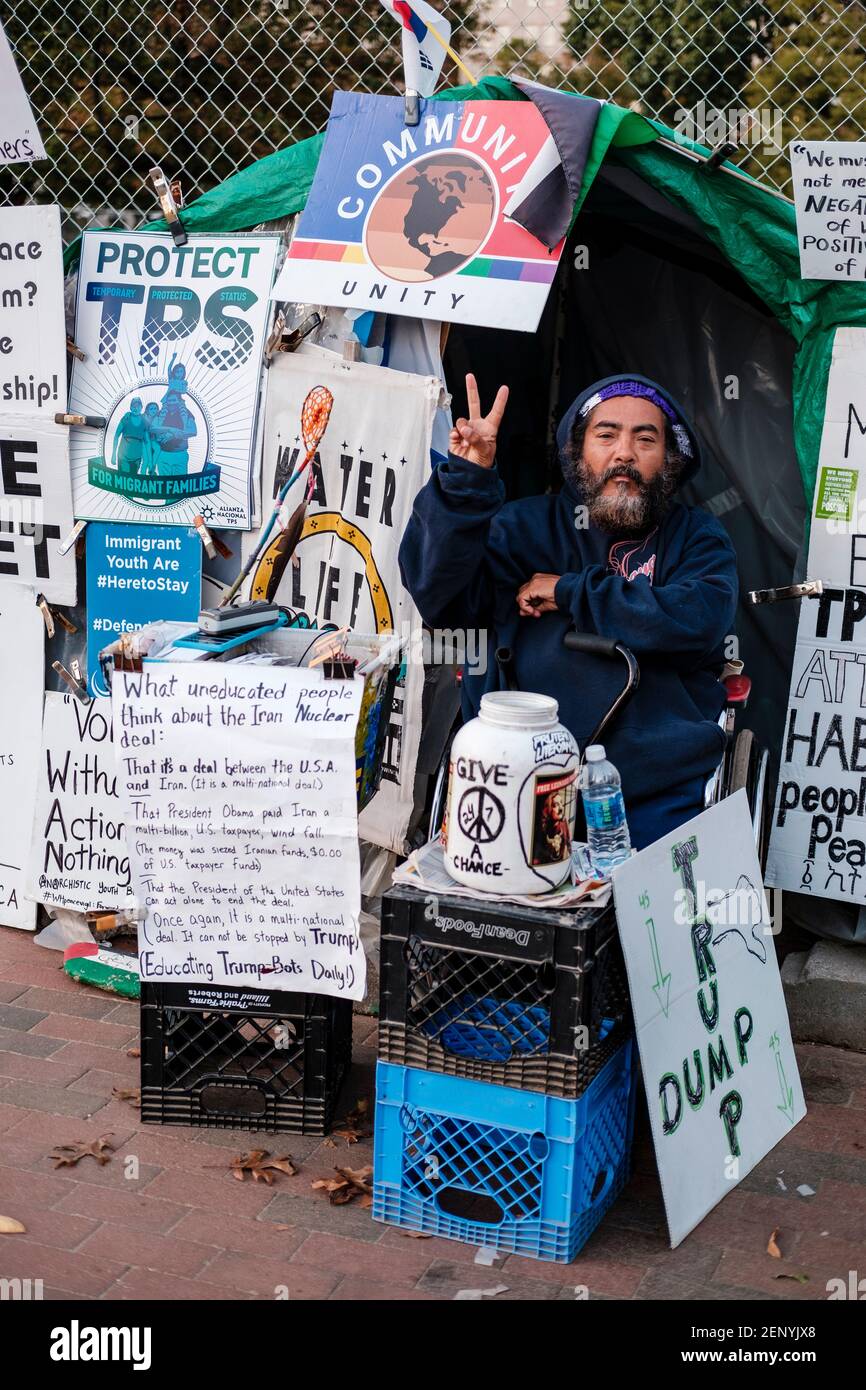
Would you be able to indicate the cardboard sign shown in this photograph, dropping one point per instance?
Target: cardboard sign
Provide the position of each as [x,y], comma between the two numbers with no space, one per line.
[372,462]
[22,634]
[715,1044]
[410,219]
[239,783]
[818,842]
[137,575]
[829,179]
[173,337]
[20,142]
[78,854]
[32,318]
[36,508]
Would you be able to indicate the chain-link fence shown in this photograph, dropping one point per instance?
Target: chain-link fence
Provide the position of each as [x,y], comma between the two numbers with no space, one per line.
[204,87]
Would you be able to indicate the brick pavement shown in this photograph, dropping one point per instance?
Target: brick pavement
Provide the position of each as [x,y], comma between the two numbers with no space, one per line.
[183,1228]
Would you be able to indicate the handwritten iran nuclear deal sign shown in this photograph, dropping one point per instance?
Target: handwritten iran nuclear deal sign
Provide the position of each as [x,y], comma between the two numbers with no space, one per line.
[818,842]
[239,784]
[173,337]
[410,219]
[715,1044]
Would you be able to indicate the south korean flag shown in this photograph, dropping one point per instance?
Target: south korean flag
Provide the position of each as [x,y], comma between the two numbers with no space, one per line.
[423,55]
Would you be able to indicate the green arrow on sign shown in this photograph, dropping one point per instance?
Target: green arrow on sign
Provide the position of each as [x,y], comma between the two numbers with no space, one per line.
[662,986]
[787,1108]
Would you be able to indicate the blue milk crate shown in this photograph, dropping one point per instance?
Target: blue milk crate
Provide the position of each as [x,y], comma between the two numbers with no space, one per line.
[490,1165]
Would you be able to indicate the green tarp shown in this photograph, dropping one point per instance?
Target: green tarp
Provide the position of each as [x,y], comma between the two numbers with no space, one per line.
[753,228]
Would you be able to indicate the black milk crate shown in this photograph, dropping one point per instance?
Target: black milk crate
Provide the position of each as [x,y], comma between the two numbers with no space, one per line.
[225,1058]
[515,996]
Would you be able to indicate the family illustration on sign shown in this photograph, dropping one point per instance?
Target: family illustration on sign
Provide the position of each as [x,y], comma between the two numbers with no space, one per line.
[153,440]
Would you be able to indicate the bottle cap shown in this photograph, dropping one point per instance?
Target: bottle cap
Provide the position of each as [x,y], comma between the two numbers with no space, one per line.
[595,753]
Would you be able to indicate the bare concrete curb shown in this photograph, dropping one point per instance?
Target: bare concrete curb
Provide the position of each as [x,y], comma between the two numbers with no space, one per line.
[825,990]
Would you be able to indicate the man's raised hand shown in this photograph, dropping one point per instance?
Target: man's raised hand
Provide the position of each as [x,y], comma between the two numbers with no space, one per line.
[475,439]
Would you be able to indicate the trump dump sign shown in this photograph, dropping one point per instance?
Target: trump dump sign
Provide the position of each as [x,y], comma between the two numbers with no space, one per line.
[173,340]
[410,219]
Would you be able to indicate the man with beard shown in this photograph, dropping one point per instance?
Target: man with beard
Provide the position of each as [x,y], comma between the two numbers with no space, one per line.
[612,553]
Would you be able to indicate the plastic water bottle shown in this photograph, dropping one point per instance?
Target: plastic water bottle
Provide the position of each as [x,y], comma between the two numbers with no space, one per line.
[604,808]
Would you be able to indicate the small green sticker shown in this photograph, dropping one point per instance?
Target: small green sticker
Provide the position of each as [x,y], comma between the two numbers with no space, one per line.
[837,488]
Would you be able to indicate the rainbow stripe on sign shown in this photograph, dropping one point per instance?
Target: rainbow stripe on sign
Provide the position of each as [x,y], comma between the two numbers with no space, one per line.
[483,267]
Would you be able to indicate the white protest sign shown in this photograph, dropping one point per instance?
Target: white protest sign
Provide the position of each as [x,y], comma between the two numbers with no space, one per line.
[20,142]
[373,460]
[32,317]
[174,338]
[829,179]
[837,539]
[818,842]
[36,508]
[715,1044]
[22,637]
[78,854]
[239,786]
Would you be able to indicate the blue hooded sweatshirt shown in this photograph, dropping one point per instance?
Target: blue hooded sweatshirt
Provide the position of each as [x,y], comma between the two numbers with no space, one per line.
[670,596]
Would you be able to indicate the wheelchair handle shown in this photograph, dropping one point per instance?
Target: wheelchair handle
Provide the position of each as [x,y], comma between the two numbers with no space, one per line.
[591,643]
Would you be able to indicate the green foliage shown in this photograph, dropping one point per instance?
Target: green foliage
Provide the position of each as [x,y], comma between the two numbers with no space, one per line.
[805,60]
[209,85]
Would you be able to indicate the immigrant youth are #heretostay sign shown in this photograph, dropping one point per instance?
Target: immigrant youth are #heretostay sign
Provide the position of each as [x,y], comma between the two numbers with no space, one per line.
[173,339]
[410,219]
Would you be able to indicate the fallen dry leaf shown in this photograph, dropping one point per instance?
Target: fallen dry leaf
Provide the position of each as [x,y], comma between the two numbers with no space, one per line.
[356,1125]
[67,1154]
[797,1278]
[133,1095]
[772,1247]
[417,1235]
[133,1052]
[330,1143]
[10,1227]
[259,1164]
[349,1184]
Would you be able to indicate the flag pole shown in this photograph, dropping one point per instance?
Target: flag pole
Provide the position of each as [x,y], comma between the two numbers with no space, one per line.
[452,55]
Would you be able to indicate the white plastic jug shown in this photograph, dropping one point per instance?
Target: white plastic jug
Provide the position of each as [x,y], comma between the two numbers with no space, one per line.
[512,796]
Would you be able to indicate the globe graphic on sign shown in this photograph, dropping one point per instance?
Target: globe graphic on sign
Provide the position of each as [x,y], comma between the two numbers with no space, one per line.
[431,218]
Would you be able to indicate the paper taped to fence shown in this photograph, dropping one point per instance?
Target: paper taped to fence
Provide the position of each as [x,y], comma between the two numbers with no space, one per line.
[32,316]
[21,632]
[411,219]
[828,183]
[239,787]
[20,141]
[78,852]
[716,1054]
[372,462]
[173,337]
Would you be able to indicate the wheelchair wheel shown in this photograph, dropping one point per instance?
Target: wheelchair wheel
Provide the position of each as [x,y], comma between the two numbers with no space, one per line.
[749,768]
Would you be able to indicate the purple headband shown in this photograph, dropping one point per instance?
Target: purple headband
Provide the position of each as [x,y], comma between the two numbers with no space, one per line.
[649,393]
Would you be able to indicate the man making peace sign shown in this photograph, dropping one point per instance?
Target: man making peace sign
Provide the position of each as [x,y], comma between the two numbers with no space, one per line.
[611,553]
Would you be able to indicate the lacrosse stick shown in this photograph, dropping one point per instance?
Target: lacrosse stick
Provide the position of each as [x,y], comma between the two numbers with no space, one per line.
[315,415]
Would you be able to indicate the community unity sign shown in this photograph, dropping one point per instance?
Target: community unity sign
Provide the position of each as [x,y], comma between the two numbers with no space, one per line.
[411,219]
